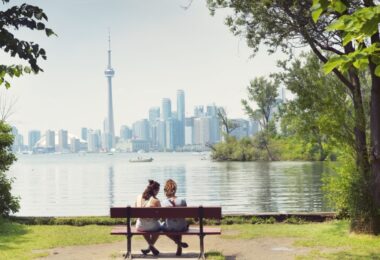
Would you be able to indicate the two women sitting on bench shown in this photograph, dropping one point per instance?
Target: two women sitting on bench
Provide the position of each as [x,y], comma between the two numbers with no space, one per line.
[149,199]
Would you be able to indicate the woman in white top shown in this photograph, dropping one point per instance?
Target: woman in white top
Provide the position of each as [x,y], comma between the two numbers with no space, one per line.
[174,224]
[148,199]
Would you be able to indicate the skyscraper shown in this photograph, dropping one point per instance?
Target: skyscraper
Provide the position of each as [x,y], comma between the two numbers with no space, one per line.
[109,73]
[33,137]
[154,114]
[166,108]
[83,133]
[50,140]
[181,117]
[63,142]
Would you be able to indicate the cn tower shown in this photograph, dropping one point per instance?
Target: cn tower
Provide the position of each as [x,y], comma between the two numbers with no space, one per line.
[109,73]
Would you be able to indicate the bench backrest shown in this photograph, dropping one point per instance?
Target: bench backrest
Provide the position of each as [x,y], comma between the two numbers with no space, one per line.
[169,212]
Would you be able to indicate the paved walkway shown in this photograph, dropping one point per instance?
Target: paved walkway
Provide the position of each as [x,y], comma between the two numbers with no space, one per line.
[233,249]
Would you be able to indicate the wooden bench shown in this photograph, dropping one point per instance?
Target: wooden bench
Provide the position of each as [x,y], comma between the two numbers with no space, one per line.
[199,213]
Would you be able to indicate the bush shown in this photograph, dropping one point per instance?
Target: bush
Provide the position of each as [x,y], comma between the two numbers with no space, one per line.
[8,203]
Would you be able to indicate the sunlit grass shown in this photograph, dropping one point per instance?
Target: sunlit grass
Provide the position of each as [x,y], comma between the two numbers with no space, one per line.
[322,237]
[19,241]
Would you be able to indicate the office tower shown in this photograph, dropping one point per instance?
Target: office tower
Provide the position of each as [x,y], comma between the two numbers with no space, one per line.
[83,133]
[109,130]
[166,109]
[181,117]
[202,133]
[74,145]
[33,137]
[93,142]
[154,114]
[63,144]
[170,126]
[140,129]
[212,112]
[50,140]
[198,111]
[161,134]
[189,133]
[125,132]
[18,142]
[242,129]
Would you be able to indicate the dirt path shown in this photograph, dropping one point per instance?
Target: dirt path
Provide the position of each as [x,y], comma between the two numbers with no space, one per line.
[261,248]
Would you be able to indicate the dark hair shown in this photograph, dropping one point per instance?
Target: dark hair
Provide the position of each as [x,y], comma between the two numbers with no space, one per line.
[150,189]
[170,188]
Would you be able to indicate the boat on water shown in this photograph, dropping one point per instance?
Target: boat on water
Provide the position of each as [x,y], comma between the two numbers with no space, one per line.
[140,159]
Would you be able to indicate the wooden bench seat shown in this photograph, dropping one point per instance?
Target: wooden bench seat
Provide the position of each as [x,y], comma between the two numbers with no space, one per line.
[199,213]
[122,230]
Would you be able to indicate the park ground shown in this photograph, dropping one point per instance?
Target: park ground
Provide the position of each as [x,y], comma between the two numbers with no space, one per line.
[328,240]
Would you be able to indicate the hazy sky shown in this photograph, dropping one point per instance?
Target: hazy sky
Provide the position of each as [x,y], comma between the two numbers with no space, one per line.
[157,48]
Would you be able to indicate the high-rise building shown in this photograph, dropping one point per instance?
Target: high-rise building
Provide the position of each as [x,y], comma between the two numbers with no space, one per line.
[181,117]
[18,142]
[93,142]
[170,127]
[50,140]
[154,114]
[63,144]
[212,112]
[161,135]
[33,137]
[202,128]
[140,129]
[109,130]
[74,145]
[83,133]
[125,132]
[199,111]
[166,109]
[189,133]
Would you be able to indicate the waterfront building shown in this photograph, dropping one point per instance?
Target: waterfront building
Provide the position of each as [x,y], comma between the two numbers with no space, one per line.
[170,126]
[63,140]
[33,137]
[135,145]
[242,129]
[181,117]
[74,145]
[154,114]
[212,112]
[189,131]
[161,135]
[125,132]
[166,109]
[140,129]
[93,142]
[18,142]
[50,140]
[109,129]
[199,111]
[83,133]
[202,134]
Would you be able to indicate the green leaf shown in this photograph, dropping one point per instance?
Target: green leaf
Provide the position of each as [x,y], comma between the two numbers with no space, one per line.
[49,32]
[333,63]
[377,70]
[339,6]
[316,13]
[7,84]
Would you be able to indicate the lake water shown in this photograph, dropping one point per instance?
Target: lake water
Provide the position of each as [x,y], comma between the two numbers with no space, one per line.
[89,184]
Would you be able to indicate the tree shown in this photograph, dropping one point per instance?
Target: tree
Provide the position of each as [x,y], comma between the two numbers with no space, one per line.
[264,94]
[360,32]
[227,125]
[8,203]
[285,24]
[321,111]
[14,18]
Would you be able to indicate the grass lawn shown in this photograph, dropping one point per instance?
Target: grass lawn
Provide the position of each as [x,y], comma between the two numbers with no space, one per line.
[19,241]
[321,236]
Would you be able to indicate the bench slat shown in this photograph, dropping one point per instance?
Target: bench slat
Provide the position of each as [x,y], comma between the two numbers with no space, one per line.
[122,230]
[170,212]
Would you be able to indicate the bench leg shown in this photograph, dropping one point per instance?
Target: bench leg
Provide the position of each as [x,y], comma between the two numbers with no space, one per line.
[202,248]
[128,255]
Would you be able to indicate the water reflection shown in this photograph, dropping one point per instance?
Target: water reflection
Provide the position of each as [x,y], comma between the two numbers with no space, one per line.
[88,185]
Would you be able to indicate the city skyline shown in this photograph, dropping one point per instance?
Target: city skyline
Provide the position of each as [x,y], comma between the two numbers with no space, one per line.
[157,53]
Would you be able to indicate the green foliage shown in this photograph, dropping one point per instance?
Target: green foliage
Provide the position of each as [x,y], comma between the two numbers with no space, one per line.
[8,203]
[15,18]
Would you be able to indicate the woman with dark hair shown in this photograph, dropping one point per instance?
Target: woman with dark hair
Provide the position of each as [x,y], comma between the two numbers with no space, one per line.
[148,199]
[174,224]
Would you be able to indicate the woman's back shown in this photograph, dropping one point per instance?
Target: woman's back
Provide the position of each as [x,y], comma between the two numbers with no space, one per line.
[147,224]
[175,224]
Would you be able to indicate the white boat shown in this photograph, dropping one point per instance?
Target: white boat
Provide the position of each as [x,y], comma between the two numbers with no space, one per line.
[140,159]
